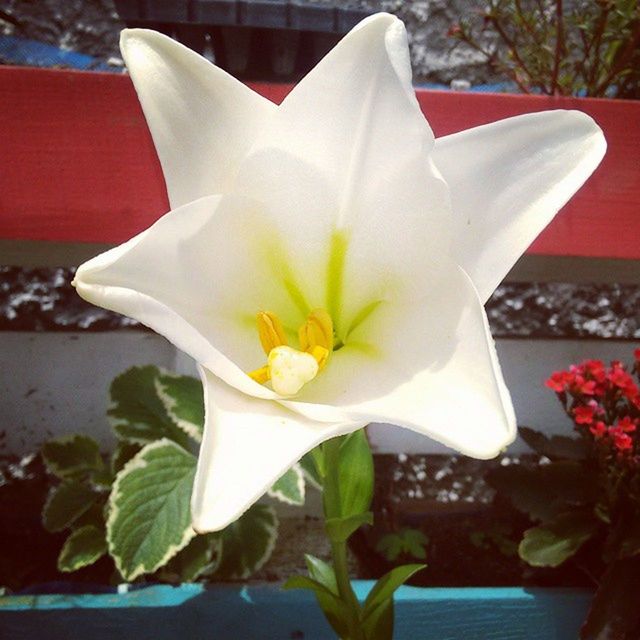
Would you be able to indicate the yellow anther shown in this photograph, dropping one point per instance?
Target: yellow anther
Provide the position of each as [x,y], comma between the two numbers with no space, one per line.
[317,330]
[261,375]
[290,369]
[320,354]
[271,331]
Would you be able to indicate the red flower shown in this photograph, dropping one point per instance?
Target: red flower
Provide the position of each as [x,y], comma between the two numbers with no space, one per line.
[558,381]
[636,355]
[599,429]
[584,413]
[623,380]
[595,369]
[627,424]
[620,378]
[573,381]
[582,386]
[631,392]
[622,441]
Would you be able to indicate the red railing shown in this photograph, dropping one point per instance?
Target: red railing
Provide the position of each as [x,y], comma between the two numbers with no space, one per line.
[77,163]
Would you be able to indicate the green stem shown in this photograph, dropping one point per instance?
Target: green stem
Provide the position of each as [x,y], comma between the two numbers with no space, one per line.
[331,502]
[347,595]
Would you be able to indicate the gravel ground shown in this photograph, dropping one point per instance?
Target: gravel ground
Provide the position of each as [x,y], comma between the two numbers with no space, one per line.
[42,299]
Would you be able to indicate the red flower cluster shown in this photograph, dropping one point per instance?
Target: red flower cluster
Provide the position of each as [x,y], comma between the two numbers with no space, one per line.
[603,402]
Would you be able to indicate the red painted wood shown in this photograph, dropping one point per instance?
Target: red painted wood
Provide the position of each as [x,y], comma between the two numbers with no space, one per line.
[78,164]
[603,218]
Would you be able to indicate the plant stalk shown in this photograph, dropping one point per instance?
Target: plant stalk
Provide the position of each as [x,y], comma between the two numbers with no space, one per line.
[331,503]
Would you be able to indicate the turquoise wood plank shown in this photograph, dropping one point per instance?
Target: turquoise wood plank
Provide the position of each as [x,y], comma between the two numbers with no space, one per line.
[266,612]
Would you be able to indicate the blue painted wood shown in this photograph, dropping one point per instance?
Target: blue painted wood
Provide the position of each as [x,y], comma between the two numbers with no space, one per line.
[266,612]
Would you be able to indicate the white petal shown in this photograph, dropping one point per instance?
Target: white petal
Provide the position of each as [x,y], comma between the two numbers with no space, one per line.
[508,179]
[247,445]
[428,365]
[197,277]
[354,128]
[202,120]
[355,114]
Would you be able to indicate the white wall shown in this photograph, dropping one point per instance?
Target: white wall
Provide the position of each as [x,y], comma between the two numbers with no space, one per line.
[56,383]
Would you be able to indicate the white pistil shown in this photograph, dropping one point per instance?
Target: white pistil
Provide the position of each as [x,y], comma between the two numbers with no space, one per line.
[290,369]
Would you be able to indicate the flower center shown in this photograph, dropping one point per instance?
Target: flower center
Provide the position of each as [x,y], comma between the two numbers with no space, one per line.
[287,368]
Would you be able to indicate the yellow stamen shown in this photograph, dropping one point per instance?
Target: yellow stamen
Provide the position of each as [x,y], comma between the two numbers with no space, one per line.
[290,369]
[260,375]
[317,330]
[320,354]
[271,331]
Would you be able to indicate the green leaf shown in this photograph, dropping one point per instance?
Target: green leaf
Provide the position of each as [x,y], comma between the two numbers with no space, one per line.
[408,541]
[183,400]
[83,547]
[554,447]
[66,503]
[334,609]
[549,545]
[289,488]
[309,468]
[149,518]
[339,529]
[303,582]
[415,542]
[102,479]
[390,546]
[379,623]
[201,556]
[122,453]
[322,572]
[248,542]
[543,491]
[355,475]
[525,489]
[72,456]
[387,585]
[94,516]
[138,414]
[614,613]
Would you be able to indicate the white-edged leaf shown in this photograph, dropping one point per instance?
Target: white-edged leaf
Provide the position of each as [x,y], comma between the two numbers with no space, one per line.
[122,453]
[201,556]
[137,414]
[248,542]
[310,470]
[71,456]
[83,547]
[150,517]
[183,400]
[66,503]
[289,488]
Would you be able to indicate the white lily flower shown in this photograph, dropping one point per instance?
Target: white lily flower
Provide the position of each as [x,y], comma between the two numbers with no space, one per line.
[338,203]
